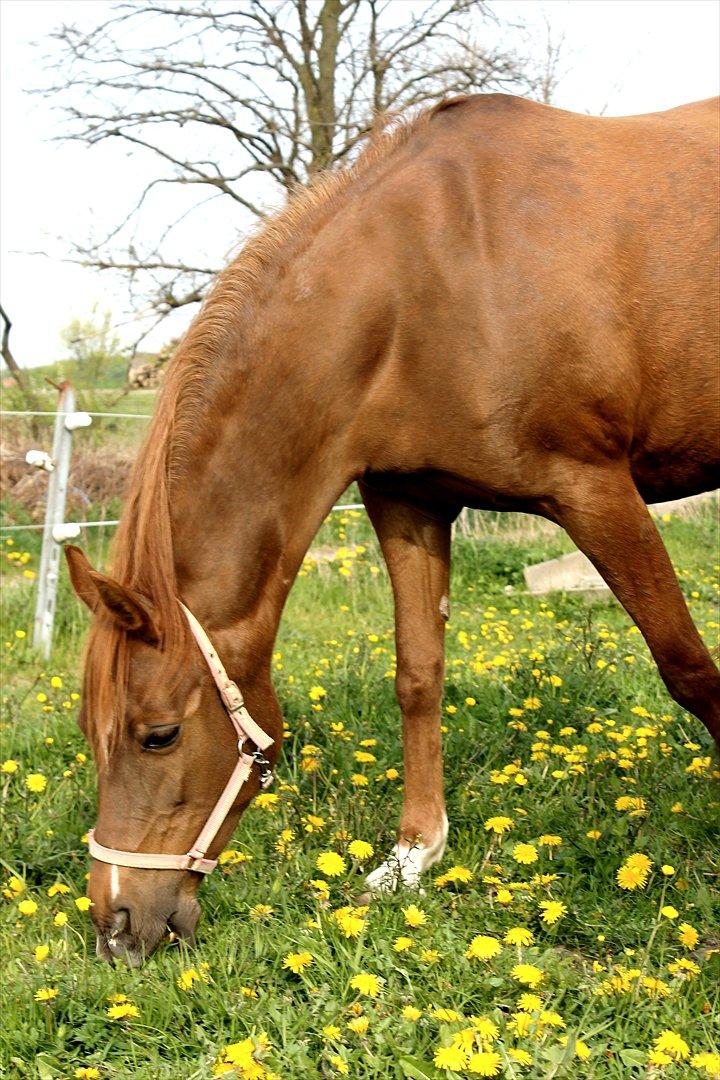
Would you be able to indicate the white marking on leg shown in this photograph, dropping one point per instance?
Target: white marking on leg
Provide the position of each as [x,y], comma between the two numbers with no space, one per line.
[407,862]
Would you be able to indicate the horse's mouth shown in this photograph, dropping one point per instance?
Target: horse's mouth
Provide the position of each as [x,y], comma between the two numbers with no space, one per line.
[121,943]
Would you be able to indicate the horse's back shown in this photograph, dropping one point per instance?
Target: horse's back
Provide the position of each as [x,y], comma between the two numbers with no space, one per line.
[575,276]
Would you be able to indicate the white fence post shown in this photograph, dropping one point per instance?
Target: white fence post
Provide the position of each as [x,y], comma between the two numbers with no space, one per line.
[48,575]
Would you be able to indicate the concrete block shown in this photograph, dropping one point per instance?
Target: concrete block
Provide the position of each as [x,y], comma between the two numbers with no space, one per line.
[570,573]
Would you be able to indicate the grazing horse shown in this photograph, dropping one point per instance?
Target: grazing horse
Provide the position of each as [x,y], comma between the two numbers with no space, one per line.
[499,305]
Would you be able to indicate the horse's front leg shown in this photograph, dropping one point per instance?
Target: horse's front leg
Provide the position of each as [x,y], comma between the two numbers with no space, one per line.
[417,552]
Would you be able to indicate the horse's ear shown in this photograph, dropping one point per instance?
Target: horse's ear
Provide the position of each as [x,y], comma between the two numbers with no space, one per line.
[129,610]
[80,571]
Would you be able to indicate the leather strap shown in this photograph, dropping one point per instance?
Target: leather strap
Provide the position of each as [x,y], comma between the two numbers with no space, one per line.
[245,728]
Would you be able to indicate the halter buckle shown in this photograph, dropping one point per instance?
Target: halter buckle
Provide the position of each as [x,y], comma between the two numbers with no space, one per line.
[266,773]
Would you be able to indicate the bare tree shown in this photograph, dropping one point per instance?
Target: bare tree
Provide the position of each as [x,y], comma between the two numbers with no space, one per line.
[16,371]
[549,74]
[241,100]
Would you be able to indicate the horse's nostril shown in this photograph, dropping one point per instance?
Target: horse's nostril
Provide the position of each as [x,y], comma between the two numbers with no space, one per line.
[121,920]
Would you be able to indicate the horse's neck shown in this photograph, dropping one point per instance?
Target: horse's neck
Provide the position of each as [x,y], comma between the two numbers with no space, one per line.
[257,481]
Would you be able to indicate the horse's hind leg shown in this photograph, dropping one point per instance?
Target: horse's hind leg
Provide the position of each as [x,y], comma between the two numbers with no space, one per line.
[604,514]
[417,552]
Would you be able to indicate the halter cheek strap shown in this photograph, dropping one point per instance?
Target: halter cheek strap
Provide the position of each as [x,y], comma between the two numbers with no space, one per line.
[246,729]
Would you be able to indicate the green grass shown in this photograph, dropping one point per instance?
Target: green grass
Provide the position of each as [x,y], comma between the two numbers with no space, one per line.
[579,752]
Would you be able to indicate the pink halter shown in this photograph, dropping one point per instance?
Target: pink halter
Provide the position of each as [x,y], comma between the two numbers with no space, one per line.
[246,728]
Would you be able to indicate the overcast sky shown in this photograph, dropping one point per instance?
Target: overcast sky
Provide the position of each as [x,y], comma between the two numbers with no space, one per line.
[620,56]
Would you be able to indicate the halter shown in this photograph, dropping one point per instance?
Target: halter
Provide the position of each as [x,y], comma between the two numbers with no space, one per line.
[246,728]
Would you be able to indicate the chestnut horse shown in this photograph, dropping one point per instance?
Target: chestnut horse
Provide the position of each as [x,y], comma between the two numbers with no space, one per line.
[498,305]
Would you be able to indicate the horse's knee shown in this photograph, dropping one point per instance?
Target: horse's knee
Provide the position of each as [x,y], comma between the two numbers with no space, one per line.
[419,688]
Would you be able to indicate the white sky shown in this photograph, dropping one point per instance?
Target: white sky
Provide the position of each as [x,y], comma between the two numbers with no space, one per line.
[620,57]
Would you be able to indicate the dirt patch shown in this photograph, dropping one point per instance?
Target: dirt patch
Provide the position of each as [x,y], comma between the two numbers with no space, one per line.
[98,475]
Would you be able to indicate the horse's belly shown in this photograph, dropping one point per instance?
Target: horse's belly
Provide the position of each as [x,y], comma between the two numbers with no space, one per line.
[673,475]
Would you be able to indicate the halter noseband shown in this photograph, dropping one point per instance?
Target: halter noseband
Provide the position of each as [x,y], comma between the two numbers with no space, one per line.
[246,728]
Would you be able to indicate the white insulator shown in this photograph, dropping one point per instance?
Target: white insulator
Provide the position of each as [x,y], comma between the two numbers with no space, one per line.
[68,531]
[76,420]
[38,459]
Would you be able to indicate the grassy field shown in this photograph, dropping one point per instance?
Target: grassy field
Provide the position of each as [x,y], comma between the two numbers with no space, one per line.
[570,931]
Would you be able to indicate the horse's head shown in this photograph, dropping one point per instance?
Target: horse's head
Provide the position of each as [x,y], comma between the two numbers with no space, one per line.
[164,748]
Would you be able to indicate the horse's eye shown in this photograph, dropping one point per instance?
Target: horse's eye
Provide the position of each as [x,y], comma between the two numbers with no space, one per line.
[160,738]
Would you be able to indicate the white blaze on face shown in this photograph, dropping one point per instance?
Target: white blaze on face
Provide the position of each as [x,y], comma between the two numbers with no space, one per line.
[114,882]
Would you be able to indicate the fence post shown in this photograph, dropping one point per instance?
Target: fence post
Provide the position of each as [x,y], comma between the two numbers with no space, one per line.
[49,572]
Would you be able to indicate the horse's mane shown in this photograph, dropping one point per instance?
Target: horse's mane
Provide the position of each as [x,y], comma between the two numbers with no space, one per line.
[142,551]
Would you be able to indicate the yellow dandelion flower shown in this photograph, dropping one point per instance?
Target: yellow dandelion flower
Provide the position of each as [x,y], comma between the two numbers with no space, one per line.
[529,1003]
[36,782]
[60,919]
[187,979]
[455,875]
[361,850]
[9,766]
[688,935]
[525,854]
[639,861]
[485,1028]
[297,962]
[552,911]
[411,1013]
[499,825]
[429,956]
[709,1062]
[350,920]
[672,1044]
[669,911]
[41,953]
[485,1063]
[261,911]
[402,944]
[450,1057]
[630,878]
[366,983]
[124,1010]
[687,968]
[520,1056]
[46,993]
[267,800]
[483,947]
[330,863]
[655,987]
[83,903]
[359,1024]
[582,1050]
[27,907]
[414,917]
[527,974]
[519,935]
[58,889]
[447,1016]
[522,1024]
